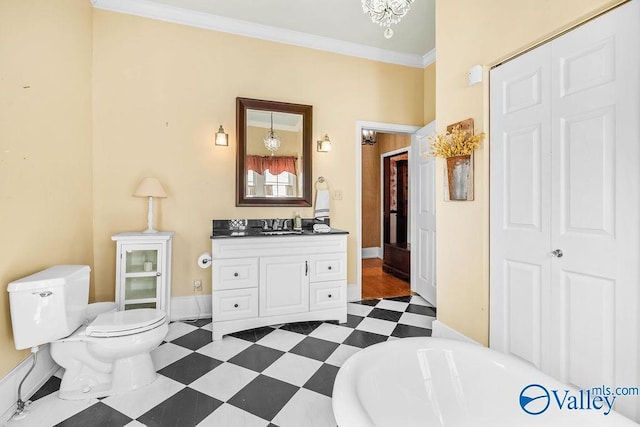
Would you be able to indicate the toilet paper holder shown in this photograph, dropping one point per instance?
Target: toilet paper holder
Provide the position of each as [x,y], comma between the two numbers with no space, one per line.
[204,260]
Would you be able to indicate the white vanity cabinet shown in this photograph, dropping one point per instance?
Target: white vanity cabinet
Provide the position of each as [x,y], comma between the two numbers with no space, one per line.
[143,270]
[260,281]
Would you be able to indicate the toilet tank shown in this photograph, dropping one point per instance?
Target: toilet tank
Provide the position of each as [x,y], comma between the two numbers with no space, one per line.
[48,305]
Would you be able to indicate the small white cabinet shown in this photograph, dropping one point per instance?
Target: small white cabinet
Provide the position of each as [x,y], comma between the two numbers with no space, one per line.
[143,270]
[259,281]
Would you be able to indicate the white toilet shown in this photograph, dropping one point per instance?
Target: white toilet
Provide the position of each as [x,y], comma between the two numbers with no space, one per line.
[103,351]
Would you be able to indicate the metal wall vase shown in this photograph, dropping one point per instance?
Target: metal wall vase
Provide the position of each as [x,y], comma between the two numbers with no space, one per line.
[459,178]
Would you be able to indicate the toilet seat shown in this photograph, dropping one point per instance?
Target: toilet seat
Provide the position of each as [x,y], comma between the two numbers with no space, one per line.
[122,323]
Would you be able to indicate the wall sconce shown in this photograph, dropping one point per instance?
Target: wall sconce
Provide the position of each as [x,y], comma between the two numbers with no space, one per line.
[368,137]
[221,137]
[324,145]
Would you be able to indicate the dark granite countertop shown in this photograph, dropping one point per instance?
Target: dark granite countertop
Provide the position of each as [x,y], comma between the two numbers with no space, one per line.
[253,228]
[257,232]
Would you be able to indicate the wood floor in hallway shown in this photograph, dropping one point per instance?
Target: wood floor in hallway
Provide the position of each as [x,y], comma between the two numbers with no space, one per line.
[378,284]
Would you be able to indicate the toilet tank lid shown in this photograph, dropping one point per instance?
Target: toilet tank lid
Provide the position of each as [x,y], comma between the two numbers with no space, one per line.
[55,276]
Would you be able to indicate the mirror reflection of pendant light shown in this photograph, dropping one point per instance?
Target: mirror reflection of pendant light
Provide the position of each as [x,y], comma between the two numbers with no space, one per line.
[272,141]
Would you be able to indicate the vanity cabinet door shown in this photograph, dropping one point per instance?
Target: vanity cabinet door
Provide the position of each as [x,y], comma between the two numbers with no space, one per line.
[284,285]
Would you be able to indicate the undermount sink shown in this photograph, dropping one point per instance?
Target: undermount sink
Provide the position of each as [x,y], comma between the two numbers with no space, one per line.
[279,232]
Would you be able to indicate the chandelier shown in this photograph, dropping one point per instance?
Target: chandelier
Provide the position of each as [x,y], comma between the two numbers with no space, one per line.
[272,141]
[386,12]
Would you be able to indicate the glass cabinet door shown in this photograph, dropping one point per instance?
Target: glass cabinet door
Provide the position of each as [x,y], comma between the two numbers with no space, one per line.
[141,276]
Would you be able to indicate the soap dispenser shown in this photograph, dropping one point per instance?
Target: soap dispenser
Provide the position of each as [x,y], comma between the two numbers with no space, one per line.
[297,222]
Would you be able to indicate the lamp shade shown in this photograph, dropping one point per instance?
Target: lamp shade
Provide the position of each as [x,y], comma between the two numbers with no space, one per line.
[150,187]
[222,138]
[324,145]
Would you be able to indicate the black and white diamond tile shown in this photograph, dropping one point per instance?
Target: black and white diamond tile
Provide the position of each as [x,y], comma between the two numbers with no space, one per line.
[280,375]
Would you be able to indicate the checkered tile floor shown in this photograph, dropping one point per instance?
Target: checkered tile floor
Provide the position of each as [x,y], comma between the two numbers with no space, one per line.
[272,376]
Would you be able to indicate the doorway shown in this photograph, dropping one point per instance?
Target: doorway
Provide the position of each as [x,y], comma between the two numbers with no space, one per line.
[421,212]
[385,220]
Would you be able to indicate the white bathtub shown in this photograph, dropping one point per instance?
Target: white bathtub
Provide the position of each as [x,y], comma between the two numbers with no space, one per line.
[432,382]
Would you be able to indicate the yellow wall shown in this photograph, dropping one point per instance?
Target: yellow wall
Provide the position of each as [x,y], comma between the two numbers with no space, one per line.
[469,32]
[92,101]
[160,92]
[429,93]
[45,144]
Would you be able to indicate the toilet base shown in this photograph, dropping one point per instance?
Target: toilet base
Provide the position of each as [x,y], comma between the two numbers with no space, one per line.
[128,374]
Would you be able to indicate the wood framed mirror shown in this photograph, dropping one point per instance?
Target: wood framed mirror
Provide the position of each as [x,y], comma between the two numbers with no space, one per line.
[274,153]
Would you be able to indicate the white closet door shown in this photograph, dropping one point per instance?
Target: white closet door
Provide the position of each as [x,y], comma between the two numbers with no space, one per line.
[520,198]
[595,194]
[565,162]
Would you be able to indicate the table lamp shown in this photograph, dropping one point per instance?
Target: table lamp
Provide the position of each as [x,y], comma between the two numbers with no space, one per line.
[150,187]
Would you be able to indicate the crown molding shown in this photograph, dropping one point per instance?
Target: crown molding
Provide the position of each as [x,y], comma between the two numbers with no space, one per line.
[149,9]
[429,58]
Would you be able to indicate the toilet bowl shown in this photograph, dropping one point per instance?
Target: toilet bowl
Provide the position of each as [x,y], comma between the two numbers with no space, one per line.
[111,353]
[103,351]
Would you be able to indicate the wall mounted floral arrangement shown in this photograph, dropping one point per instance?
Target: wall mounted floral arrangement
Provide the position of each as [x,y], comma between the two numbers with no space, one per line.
[456,146]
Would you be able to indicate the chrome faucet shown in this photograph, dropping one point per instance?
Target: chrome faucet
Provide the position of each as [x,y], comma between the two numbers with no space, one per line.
[286,226]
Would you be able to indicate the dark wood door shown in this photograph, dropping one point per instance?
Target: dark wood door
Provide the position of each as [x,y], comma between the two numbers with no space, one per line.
[396,255]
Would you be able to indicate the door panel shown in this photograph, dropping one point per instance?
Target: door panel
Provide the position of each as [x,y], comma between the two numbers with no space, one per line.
[423,215]
[523,178]
[523,288]
[589,345]
[587,174]
[589,67]
[523,91]
[520,196]
[284,285]
[595,98]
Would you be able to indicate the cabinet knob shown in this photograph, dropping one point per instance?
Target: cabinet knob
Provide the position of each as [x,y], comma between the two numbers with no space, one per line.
[329,295]
[158,274]
[235,274]
[235,305]
[329,267]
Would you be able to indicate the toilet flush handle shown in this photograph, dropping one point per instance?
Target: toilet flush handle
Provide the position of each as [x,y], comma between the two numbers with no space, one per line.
[43,294]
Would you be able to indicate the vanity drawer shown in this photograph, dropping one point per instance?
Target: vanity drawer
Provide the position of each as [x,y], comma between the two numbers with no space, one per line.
[326,295]
[327,267]
[235,273]
[234,304]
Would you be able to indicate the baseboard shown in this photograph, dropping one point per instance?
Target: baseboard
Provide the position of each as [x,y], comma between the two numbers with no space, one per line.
[353,292]
[441,330]
[191,307]
[371,253]
[45,368]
